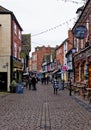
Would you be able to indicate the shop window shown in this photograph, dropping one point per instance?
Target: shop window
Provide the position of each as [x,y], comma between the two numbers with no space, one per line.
[85,71]
[79,72]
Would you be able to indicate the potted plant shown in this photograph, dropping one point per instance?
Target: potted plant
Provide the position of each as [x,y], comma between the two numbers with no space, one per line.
[13,86]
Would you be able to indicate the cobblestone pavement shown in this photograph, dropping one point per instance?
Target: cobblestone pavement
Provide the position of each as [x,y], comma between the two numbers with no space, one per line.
[42,110]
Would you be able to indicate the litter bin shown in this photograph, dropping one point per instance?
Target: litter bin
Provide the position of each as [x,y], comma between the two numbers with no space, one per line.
[20,88]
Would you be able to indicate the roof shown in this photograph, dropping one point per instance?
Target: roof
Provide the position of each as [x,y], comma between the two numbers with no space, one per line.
[62,44]
[6,11]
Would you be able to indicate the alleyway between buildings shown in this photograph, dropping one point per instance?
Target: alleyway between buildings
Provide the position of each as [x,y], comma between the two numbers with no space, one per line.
[42,110]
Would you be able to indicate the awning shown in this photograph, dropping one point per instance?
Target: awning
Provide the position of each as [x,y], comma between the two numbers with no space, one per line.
[19,69]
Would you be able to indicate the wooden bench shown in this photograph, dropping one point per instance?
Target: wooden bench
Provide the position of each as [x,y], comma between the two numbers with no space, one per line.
[75,88]
[79,87]
[89,94]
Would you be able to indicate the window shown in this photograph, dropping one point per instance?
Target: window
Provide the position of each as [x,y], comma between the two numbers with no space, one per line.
[34,57]
[19,52]
[79,72]
[19,33]
[15,50]
[82,45]
[15,29]
[76,44]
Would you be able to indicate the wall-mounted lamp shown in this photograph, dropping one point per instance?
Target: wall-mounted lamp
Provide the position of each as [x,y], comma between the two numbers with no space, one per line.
[73,50]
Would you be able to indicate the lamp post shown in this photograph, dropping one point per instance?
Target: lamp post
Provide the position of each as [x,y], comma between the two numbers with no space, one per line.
[73,52]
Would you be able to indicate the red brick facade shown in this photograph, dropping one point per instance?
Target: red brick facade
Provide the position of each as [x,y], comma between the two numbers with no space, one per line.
[37,57]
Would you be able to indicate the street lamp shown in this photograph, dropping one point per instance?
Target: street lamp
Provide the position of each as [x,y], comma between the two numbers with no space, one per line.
[73,52]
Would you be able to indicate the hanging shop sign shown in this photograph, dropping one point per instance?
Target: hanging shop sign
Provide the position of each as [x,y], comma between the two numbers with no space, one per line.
[64,68]
[80,32]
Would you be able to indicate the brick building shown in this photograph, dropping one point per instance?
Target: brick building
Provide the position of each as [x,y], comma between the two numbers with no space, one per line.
[61,60]
[37,57]
[10,48]
[82,58]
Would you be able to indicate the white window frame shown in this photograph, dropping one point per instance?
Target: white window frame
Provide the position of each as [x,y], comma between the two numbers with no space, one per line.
[15,28]
[15,50]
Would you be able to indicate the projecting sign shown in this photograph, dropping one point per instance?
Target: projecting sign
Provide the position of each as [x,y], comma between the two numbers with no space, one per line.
[64,68]
[80,32]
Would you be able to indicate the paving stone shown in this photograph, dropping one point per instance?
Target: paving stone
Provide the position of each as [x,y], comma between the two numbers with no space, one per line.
[42,110]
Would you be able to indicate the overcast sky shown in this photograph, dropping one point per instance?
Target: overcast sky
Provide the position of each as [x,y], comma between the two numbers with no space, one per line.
[46,20]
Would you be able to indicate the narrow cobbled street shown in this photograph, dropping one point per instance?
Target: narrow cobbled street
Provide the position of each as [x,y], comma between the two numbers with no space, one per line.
[42,110]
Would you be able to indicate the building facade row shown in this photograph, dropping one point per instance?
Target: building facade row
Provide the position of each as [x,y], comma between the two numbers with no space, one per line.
[73,56]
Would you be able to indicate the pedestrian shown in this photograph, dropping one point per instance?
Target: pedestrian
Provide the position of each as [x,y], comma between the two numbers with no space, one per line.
[33,81]
[27,81]
[30,84]
[70,86]
[47,80]
[13,86]
[55,85]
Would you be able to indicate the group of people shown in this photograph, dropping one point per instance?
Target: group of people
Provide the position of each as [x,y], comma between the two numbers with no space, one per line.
[31,82]
[45,80]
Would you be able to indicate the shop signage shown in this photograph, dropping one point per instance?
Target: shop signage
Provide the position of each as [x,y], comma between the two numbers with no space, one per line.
[17,63]
[80,32]
[64,68]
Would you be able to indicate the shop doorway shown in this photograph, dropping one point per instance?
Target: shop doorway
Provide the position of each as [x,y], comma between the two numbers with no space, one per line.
[3,81]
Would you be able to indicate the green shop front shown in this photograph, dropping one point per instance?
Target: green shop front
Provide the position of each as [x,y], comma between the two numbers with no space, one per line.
[17,69]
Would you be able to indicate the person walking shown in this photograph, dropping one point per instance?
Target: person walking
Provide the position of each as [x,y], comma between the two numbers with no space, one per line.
[70,86]
[55,85]
[30,84]
[33,81]
[13,86]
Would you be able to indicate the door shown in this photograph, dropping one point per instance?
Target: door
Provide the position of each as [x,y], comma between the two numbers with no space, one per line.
[3,81]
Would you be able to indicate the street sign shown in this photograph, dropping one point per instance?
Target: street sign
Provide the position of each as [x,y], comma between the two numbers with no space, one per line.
[64,68]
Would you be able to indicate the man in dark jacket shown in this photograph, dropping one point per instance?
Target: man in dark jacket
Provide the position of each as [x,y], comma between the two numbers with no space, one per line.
[33,81]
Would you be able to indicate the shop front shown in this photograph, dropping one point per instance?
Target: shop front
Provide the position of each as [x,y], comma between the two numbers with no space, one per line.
[82,65]
[89,72]
[17,70]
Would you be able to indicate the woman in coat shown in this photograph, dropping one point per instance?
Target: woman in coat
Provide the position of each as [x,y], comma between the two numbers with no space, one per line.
[55,85]
[33,81]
